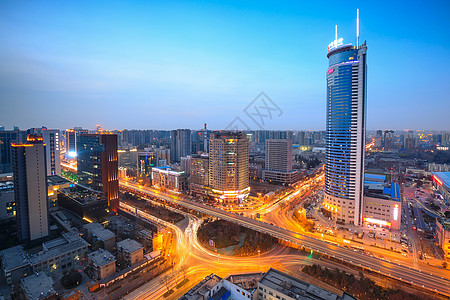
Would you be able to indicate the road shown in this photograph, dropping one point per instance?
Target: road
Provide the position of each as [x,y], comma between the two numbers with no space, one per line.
[415,276]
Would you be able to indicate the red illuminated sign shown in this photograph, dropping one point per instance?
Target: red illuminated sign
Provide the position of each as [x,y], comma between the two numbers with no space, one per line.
[330,70]
[437,180]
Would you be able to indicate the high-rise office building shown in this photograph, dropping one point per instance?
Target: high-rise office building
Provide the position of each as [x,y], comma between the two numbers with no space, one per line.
[278,164]
[388,140]
[52,141]
[6,138]
[345,130]
[146,160]
[199,179]
[279,155]
[71,140]
[30,188]
[228,165]
[98,165]
[180,144]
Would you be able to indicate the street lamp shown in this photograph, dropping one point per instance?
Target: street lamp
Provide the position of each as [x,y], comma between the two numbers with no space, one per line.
[259,257]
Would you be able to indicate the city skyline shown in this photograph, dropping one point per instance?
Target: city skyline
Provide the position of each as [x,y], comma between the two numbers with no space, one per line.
[143,70]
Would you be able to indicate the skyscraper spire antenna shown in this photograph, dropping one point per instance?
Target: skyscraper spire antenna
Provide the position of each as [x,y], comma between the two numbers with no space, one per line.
[335,33]
[357,27]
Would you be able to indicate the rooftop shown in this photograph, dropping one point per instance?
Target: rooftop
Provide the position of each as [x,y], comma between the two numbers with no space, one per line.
[55,180]
[123,223]
[38,286]
[99,231]
[101,257]
[129,245]
[57,247]
[444,177]
[379,190]
[248,281]
[296,288]
[220,293]
[83,195]
[202,288]
[14,257]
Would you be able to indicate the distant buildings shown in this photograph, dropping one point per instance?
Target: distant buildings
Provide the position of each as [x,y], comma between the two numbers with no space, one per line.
[278,164]
[345,131]
[98,165]
[228,166]
[30,188]
[180,144]
[388,140]
[52,140]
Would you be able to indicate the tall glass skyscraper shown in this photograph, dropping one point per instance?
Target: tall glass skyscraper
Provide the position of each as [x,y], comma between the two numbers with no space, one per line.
[345,131]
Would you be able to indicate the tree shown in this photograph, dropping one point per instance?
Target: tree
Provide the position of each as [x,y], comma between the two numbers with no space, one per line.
[71,279]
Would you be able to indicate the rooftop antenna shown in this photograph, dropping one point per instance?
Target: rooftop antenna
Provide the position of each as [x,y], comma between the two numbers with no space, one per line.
[357,27]
[335,33]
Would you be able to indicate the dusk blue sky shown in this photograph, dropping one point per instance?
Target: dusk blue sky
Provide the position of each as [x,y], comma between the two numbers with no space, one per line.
[166,64]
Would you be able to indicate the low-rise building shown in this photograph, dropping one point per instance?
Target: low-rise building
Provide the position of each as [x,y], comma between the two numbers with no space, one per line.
[281,177]
[165,178]
[132,251]
[443,234]
[15,264]
[205,289]
[270,285]
[96,232]
[278,285]
[441,181]
[38,287]
[146,238]
[59,253]
[84,202]
[243,286]
[55,183]
[103,263]
[382,206]
[121,226]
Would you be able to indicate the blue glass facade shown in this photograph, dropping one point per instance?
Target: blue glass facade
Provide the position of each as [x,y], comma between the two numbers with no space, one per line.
[345,131]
